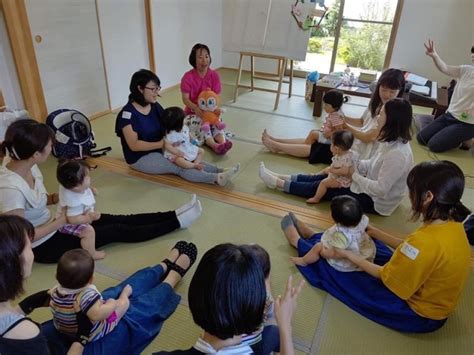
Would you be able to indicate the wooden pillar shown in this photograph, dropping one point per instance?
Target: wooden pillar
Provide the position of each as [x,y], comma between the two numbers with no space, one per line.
[149,32]
[19,33]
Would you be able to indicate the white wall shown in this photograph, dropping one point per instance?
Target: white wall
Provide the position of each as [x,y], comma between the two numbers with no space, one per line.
[177,26]
[449,23]
[124,40]
[9,83]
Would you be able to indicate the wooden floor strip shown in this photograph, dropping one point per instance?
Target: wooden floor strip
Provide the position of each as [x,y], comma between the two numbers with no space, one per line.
[240,199]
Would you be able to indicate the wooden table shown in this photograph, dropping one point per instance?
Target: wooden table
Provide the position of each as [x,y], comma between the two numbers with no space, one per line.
[439,106]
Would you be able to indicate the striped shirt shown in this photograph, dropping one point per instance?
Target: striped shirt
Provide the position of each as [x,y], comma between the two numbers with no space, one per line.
[62,304]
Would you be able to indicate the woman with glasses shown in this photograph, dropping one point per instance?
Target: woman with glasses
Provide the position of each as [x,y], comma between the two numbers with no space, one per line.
[141,133]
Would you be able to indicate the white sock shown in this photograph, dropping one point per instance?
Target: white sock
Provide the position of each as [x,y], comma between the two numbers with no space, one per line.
[224,177]
[280,176]
[268,179]
[186,206]
[189,216]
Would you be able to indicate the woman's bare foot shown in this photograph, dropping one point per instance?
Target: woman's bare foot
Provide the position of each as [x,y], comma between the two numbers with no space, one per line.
[269,144]
[98,255]
[265,134]
[298,261]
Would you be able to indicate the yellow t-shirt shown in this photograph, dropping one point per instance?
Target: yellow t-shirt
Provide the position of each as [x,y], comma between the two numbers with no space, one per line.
[429,270]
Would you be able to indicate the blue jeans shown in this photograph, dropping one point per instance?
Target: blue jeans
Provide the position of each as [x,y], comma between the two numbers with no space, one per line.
[364,293]
[445,133]
[151,303]
[306,186]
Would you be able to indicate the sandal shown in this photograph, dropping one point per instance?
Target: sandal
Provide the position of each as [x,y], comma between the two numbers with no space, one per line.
[191,252]
[179,246]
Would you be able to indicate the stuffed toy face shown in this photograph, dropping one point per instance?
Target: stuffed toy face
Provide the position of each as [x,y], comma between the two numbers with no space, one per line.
[208,100]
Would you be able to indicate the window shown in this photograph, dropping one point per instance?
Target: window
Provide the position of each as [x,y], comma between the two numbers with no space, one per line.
[357,33]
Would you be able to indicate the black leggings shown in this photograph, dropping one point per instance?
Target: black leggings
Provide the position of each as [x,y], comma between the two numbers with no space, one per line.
[110,229]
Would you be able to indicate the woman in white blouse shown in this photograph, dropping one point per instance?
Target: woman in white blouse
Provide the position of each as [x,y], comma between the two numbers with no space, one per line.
[378,183]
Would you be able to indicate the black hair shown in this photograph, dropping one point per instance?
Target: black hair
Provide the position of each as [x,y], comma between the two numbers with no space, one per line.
[227,292]
[140,79]
[343,139]
[71,173]
[13,230]
[75,269]
[173,119]
[194,50]
[25,137]
[335,98]
[263,258]
[445,180]
[346,210]
[392,79]
[399,114]
[472,50]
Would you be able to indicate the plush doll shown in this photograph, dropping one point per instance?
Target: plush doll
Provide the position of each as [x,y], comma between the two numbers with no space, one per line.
[208,101]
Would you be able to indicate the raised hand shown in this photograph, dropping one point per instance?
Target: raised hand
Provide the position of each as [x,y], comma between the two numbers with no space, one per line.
[285,306]
[430,48]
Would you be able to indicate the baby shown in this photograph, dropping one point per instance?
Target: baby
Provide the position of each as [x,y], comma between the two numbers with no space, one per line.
[76,200]
[348,233]
[76,299]
[178,146]
[343,159]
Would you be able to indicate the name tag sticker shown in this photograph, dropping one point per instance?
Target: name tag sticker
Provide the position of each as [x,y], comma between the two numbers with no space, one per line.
[127,115]
[409,251]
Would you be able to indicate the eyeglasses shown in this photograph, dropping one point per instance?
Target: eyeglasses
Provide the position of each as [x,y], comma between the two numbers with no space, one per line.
[154,89]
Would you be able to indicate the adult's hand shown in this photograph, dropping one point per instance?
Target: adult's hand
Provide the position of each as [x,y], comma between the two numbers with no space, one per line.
[430,49]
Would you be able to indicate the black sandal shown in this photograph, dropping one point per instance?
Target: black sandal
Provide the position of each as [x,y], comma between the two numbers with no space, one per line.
[191,252]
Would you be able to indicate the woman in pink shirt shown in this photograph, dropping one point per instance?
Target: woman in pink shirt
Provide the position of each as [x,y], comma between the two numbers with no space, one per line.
[193,82]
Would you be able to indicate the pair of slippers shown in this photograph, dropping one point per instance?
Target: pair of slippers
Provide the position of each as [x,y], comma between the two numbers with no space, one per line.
[221,149]
[188,249]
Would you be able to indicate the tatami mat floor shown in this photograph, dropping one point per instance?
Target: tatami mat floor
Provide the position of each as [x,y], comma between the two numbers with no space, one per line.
[322,324]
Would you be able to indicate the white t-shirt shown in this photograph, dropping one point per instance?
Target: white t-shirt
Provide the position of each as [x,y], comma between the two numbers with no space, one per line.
[76,203]
[462,101]
[181,141]
[15,193]
[354,239]
[366,150]
[384,176]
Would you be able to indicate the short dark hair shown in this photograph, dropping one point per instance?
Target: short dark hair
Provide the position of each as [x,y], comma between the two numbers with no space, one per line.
[227,292]
[75,269]
[445,180]
[173,119]
[194,50]
[71,173]
[140,79]
[392,79]
[342,139]
[263,258]
[25,137]
[346,210]
[13,230]
[335,98]
[399,115]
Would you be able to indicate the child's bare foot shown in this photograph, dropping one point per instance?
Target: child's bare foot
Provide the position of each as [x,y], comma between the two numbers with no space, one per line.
[98,255]
[312,200]
[298,261]
[127,291]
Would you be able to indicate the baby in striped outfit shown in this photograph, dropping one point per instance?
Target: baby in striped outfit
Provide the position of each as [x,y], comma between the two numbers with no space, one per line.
[75,299]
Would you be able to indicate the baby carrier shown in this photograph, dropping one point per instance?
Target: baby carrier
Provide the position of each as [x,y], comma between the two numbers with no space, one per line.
[74,136]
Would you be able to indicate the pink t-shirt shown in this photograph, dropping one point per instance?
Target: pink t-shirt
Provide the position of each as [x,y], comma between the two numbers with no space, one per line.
[193,84]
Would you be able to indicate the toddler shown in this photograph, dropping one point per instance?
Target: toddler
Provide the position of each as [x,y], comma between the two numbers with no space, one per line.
[178,146]
[332,103]
[76,300]
[76,200]
[348,233]
[343,159]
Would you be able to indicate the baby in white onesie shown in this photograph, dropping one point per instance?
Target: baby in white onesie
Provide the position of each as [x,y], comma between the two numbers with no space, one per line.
[178,146]
[77,201]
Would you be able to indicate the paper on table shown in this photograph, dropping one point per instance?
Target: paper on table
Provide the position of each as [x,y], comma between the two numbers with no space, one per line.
[416,79]
[425,90]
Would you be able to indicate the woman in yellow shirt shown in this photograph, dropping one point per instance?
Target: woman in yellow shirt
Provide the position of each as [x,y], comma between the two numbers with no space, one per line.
[415,288]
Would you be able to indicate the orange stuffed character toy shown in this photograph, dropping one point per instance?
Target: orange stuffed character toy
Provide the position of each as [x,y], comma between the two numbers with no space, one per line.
[208,101]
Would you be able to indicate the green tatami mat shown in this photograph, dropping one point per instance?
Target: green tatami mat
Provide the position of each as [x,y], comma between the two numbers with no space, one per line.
[346,332]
